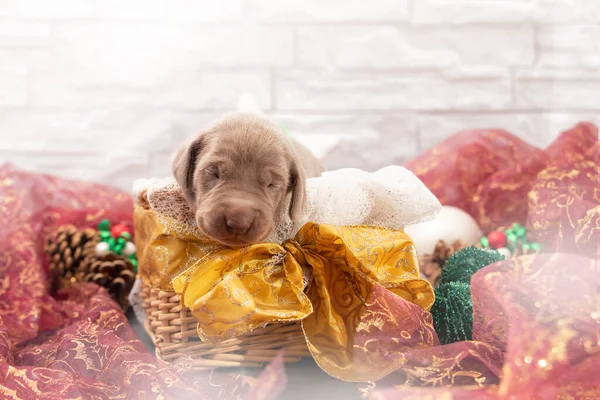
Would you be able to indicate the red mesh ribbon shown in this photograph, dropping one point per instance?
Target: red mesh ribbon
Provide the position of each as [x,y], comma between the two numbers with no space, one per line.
[79,344]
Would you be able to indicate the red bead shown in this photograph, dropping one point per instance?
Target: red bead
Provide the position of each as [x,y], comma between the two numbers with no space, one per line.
[118,229]
[497,239]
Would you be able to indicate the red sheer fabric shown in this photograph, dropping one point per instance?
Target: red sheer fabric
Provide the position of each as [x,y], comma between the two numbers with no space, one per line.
[78,344]
[536,327]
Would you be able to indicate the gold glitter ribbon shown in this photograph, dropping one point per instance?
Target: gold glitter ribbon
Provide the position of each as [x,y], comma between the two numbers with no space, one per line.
[233,291]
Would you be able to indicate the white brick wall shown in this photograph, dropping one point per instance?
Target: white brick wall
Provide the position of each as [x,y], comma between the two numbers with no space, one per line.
[108,90]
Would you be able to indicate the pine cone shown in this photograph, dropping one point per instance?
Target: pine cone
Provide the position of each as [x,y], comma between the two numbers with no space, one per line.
[67,251]
[431,264]
[113,272]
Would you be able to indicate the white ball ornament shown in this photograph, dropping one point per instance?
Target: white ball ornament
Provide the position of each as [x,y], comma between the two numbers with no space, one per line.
[129,249]
[102,249]
[451,224]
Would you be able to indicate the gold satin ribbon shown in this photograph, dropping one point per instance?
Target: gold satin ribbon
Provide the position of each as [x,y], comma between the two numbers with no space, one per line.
[352,270]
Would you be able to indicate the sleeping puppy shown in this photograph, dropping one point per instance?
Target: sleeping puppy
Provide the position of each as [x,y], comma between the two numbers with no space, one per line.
[242,175]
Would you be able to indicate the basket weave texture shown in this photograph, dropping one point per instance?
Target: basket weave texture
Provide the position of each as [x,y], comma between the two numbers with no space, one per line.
[173,331]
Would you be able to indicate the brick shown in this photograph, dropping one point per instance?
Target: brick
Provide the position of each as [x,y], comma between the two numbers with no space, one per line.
[13,83]
[360,141]
[77,9]
[202,90]
[538,129]
[563,46]
[549,59]
[23,34]
[501,11]
[410,47]
[208,11]
[132,50]
[300,11]
[114,169]
[564,89]
[474,88]
[569,38]
[132,130]
[113,66]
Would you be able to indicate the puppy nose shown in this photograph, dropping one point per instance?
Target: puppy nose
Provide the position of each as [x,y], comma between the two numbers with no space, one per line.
[239,219]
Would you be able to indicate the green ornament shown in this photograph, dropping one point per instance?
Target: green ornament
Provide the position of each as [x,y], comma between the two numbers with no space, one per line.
[118,249]
[464,263]
[536,246]
[520,232]
[121,241]
[104,225]
[126,236]
[512,238]
[111,243]
[452,312]
[104,235]
[134,262]
[526,247]
[485,242]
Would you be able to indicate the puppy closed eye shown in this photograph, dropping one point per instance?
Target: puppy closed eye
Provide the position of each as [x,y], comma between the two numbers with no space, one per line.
[212,173]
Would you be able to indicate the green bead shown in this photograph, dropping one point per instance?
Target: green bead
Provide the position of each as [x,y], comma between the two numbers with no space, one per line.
[485,242]
[126,235]
[104,235]
[517,225]
[121,241]
[104,225]
[512,238]
[134,263]
[118,249]
[520,232]
[526,247]
[111,242]
[536,246]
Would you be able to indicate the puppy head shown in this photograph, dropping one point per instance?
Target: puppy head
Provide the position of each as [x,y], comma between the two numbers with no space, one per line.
[239,176]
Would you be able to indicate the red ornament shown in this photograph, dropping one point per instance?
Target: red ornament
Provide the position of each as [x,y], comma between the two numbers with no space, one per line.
[118,229]
[497,239]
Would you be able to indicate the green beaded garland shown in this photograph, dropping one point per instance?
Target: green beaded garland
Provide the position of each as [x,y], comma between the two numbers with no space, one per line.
[104,225]
[452,312]
[464,263]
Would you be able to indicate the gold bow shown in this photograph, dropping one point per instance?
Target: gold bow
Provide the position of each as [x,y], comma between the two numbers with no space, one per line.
[364,305]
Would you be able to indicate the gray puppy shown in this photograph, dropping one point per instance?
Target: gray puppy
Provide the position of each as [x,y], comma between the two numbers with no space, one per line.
[242,175]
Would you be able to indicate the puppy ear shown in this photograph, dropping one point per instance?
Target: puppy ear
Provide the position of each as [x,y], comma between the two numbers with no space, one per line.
[298,186]
[184,166]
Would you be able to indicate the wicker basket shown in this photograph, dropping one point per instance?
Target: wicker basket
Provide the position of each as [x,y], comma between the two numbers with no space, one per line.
[173,331]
